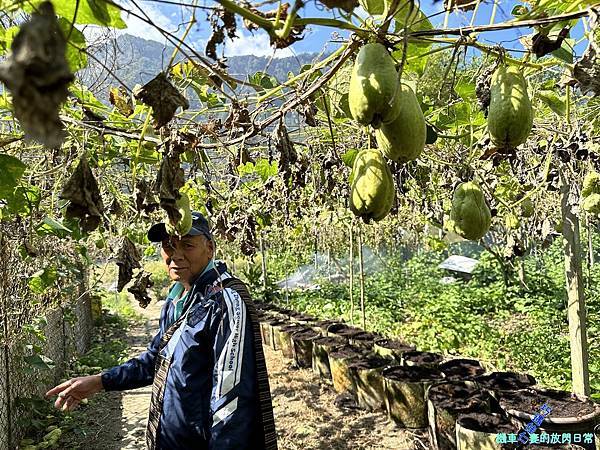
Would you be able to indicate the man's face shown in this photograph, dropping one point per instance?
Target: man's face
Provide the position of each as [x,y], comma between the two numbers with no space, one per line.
[186,257]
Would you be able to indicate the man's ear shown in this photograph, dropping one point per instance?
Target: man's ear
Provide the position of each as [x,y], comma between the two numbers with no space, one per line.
[211,246]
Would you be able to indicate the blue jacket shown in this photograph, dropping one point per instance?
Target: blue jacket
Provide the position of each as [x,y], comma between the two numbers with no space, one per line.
[210,399]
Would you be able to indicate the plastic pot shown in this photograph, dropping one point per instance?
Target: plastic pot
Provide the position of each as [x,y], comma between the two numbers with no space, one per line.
[422,359]
[285,338]
[302,345]
[570,413]
[461,369]
[339,361]
[368,381]
[320,355]
[405,393]
[479,430]
[446,401]
[391,348]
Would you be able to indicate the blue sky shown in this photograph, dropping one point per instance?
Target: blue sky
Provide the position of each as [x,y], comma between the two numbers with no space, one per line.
[316,39]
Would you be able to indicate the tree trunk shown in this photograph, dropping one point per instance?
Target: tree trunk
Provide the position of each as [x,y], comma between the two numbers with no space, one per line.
[575,292]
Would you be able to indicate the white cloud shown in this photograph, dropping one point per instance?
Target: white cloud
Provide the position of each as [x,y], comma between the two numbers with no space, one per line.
[257,44]
[138,27]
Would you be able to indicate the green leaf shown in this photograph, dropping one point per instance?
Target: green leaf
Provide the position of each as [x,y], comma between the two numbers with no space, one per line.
[76,46]
[51,226]
[11,171]
[262,168]
[39,362]
[410,16]
[6,37]
[565,52]
[22,200]
[556,103]
[40,281]
[519,10]
[349,157]
[263,79]
[89,12]
[465,89]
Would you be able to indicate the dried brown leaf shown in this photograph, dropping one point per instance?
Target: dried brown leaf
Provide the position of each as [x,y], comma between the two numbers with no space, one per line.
[128,259]
[37,75]
[83,194]
[163,97]
[140,286]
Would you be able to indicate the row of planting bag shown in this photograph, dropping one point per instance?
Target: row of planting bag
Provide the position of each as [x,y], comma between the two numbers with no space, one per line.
[463,406]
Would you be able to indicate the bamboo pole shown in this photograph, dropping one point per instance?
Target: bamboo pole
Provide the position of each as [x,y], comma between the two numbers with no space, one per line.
[362,278]
[351,274]
[263,262]
[575,292]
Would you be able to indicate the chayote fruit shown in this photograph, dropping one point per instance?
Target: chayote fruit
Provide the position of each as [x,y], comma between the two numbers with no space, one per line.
[527,209]
[403,139]
[510,116]
[591,203]
[470,213]
[591,184]
[372,191]
[184,225]
[373,85]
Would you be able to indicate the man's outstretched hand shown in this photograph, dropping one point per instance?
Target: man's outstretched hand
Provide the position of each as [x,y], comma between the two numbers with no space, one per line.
[71,392]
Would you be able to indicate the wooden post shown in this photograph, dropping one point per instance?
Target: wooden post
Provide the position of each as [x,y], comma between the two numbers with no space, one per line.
[351,273]
[575,292]
[362,278]
[264,262]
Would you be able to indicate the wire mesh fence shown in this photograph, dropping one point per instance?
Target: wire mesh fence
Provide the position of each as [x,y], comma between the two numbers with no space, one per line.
[41,328]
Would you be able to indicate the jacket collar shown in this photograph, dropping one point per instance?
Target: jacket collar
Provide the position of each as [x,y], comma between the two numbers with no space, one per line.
[206,279]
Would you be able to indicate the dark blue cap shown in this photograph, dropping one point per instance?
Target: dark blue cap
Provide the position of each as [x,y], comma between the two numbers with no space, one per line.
[200,227]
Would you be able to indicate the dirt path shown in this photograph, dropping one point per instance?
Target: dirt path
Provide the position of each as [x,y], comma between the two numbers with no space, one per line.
[135,403]
[305,414]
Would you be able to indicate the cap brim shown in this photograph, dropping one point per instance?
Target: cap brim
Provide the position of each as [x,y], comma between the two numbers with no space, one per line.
[158,233]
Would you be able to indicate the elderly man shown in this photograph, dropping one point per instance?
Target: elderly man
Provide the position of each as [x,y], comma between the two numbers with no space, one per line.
[206,364]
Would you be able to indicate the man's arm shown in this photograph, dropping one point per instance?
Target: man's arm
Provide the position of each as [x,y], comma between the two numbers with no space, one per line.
[234,399]
[138,371]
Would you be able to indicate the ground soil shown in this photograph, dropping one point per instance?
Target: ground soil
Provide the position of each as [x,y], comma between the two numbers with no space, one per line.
[305,411]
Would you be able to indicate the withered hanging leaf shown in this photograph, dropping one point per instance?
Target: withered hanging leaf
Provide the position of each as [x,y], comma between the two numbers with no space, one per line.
[587,70]
[228,24]
[248,244]
[140,286]
[309,111]
[90,116]
[37,75]
[271,14]
[465,5]
[170,177]
[211,127]
[85,202]
[145,200]
[286,150]
[543,45]
[128,258]
[239,117]
[296,34]
[482,88]
[121,100]
[346,5]
[163,97]
[217,37]
[115,207]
